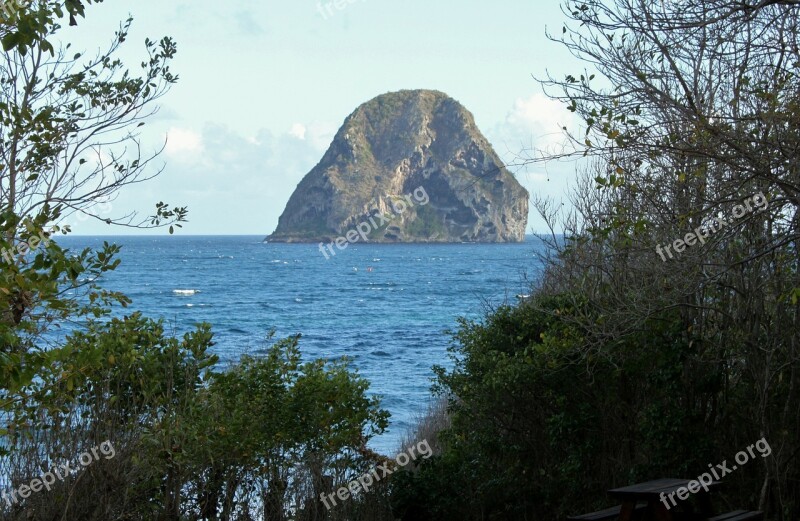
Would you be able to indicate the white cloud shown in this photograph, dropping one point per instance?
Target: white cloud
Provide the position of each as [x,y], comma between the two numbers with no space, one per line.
[183,143]
[232,182]
[320,134]
[298,130]
[541,118]
[532,130]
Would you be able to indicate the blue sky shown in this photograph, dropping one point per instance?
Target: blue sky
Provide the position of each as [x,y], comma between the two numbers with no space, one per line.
[264,86]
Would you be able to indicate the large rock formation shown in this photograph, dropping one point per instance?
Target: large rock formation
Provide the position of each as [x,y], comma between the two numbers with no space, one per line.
[417,158]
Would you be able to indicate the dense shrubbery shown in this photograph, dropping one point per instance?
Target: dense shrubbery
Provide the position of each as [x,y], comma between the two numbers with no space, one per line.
[542,427]
[260,438]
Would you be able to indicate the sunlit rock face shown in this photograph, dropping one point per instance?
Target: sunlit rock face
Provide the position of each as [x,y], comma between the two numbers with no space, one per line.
[417,159]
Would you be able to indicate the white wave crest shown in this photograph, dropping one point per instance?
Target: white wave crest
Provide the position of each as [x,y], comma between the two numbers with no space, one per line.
[186,291]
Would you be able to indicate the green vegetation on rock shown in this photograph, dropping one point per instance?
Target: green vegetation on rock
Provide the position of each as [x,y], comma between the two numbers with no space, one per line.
[395,144]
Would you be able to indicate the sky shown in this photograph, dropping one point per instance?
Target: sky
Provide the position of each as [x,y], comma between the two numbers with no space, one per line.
[265,85]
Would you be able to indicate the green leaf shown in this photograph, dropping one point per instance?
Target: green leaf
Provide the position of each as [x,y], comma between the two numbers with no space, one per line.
[10,41]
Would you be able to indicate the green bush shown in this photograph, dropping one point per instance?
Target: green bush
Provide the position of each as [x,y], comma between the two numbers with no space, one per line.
[542,426]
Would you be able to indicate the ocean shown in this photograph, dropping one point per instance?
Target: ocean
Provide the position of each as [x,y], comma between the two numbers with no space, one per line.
[386,306]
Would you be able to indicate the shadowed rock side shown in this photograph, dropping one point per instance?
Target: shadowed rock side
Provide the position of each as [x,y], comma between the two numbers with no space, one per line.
[390,152]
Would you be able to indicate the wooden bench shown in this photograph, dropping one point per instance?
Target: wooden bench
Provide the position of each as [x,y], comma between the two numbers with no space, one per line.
[739,515]
[609,514]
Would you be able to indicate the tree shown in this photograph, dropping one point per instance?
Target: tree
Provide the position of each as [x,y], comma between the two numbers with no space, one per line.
[27,24]
[690,110]
[68,138]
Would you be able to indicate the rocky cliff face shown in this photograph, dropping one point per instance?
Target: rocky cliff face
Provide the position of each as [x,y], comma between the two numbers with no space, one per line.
[414,166]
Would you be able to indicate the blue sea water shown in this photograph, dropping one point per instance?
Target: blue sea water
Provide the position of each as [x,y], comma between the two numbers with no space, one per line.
[386,306]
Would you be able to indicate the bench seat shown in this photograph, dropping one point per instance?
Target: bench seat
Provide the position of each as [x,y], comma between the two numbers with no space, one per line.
[739,515]
[609,514]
